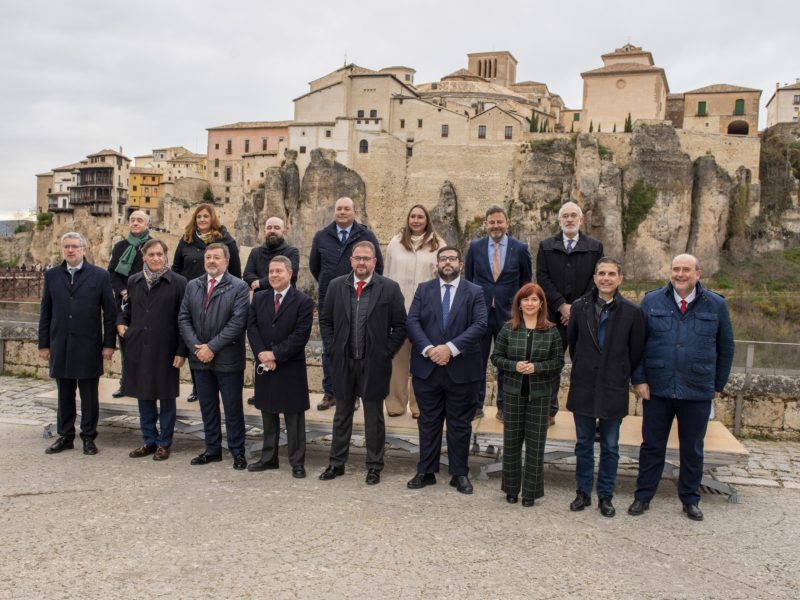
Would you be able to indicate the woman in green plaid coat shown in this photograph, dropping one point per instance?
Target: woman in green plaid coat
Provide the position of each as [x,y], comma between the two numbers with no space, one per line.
[529,351]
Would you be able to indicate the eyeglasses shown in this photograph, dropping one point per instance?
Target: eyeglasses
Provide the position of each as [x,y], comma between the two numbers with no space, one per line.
[450,259]
[362,259]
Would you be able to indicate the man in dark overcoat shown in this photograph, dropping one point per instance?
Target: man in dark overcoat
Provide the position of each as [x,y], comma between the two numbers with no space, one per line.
[363,325]
[126,260]
[446,323]
[278,328]
[606,341]
[155,351]
[564,268]
[76,332]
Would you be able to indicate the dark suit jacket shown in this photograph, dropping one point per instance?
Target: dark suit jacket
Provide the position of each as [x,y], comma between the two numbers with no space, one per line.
[466,325]
[566,277]
[77,321]
[386,331]
[285,333]
[517,271]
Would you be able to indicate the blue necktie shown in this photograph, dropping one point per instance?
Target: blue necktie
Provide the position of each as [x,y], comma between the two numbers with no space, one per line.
[570,243]
[446,304]
[343,234]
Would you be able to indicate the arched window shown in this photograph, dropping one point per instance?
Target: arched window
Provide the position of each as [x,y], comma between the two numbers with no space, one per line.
[363,147]
[738,128]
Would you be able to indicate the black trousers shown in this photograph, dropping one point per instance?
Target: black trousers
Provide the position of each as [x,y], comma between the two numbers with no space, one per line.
[295,435]
[442,400]
[90,407]
[347,386]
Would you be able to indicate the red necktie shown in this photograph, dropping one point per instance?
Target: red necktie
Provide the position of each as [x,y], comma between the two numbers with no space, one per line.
[359,287]
[683,307]
[210,291]
[277,302]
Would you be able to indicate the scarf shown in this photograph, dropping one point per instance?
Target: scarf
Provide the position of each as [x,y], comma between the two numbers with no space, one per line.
[206,238]
[417,241]
[126,260]
[151,277]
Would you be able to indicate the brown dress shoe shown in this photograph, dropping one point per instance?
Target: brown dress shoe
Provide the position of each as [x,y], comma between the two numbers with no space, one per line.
[551,421]
[328,400]
[162,453]
[142,451]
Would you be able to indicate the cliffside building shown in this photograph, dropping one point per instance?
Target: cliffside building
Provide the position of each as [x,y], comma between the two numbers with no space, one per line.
[102,185]
[784,104]
[145,190]
[721,108]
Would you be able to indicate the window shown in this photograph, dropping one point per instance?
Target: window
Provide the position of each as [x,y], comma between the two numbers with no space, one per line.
[401,100]
[134,188]
[739,107]
[576,116]
[229,148]
[509,132]
[360,114]
[246,146]
[419,123]
[402,123]
[264,144]
[363,147]
[797,99]
[216,163]
[408,78]
[373,113]
[327,133]
[146,190]
[216,146]
[481,132]
[445,130]
[701,109]
[216,174]
[227,200]
[302,149]
[227,189]
[228,173]
[147,199]
[409,151]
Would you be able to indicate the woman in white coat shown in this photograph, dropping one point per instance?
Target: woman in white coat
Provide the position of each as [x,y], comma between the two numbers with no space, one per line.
[410,259]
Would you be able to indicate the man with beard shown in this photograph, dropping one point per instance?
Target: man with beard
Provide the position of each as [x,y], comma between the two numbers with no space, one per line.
[446,323]
[256,271]
[363,325]
[126,261]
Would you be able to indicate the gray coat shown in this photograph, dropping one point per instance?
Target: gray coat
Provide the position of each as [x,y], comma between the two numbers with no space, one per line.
[221,325]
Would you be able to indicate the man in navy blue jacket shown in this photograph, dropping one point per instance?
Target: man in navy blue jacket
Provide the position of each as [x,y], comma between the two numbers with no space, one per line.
[330,258]
[500,265]
[687,359]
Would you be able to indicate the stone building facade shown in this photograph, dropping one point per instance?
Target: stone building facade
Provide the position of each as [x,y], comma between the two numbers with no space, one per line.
[102,185]
[784,104]
[145,191]
[721,108]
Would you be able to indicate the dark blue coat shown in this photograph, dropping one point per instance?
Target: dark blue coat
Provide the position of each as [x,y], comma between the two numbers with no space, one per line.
[517,271]
[285,333]
[466,326]
[687,357]
[77,321]
[329,259]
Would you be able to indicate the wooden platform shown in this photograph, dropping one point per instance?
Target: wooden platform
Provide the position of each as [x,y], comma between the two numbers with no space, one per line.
[721,447]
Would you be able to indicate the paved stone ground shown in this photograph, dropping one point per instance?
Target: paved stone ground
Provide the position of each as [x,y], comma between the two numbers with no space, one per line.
[75,526]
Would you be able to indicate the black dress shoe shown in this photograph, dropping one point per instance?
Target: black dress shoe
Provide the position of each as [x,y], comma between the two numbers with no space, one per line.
[117,393]
[511,498]
[298,472]
[461,483]
[581,501]
[693,512]
[331,472]
[204,459]
[191,397]
[262,466]
[638,507]
[89,447]
[328,400]
[373,477]
[60,445]
[239,462]
[420,480]
[527,502]
[478,414]
[606,508]
[499,416]
[251,400]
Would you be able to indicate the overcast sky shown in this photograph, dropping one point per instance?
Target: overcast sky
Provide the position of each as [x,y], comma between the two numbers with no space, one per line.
[84,75]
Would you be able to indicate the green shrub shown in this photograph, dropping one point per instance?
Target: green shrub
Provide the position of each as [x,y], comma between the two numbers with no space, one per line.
[641,199]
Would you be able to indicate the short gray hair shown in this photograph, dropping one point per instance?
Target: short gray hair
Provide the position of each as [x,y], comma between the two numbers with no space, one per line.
[575,204]
[282,260]
[219,246]
[74,235]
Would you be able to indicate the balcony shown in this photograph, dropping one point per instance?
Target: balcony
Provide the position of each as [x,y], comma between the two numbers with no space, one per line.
[87,195]
[100,209]
[53,207]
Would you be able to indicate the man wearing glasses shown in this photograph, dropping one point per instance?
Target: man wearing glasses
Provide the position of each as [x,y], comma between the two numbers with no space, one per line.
[363,325]
[446,323]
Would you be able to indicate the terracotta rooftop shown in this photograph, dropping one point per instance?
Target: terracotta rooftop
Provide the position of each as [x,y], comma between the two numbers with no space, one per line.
[251,125]
[71,166]
[145,171]
[107,152]
[623,68]
[721,88]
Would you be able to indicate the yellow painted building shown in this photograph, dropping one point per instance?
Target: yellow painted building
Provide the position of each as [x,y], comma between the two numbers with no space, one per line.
[145,190]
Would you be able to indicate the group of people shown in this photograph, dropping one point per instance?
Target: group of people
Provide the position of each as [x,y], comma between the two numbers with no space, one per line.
[413,330]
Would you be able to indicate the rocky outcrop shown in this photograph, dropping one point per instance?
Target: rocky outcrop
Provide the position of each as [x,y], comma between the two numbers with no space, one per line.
[444,215]
[711,199]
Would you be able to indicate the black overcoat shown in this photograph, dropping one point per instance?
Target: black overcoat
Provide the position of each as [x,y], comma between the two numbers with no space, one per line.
[76,321]
[120,282]
[152,340]
[189,259]
[284,390]
[386,332]
[600,379]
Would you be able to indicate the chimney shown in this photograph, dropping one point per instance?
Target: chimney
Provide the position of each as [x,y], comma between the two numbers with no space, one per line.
[120,150]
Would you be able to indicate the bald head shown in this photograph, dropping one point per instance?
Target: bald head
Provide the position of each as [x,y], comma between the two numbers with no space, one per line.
[274,230]
[344,212]
[138,221]
[684,274]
